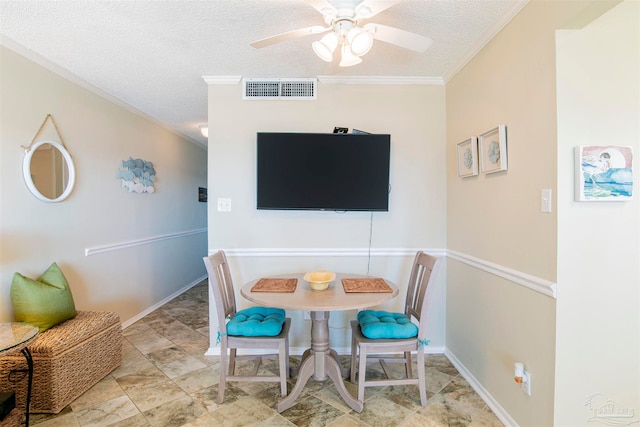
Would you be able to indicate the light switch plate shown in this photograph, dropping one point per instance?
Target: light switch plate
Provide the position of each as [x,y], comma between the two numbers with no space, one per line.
[224,205]
[545,200]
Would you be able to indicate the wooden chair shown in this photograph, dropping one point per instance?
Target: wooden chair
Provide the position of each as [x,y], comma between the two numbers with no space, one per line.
[223,292]
[423,273]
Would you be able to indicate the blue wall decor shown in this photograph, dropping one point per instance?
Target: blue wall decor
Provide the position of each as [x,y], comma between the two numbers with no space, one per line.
[138,175]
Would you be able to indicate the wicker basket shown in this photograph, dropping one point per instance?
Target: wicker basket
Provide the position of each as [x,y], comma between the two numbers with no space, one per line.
[13,418]
[68,359]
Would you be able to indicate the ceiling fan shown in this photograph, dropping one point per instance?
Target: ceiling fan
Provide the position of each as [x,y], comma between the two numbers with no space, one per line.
[346,30]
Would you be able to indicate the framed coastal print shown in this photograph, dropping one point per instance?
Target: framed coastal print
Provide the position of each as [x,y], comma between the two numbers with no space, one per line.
[603,173]
[493,150]
[468,157]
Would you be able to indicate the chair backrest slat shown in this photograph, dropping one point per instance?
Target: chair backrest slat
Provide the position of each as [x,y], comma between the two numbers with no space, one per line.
[222,287]
[423,273]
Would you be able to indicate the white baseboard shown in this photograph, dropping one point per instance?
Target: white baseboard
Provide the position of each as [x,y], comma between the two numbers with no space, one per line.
[140,315]
[497,409]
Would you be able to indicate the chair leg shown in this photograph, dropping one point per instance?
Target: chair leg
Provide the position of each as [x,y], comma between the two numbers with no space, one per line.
[287,371]
[223,372]
[408,369]
[232,361]
[283,357]
[362,369]
[354,348]
[422,378]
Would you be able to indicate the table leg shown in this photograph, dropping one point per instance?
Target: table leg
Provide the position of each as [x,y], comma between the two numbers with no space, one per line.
[27,355]
[334,370]
[304,373]
[345,372]
[320,361]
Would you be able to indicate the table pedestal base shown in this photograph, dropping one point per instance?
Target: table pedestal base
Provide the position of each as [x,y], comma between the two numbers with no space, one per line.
[319,362]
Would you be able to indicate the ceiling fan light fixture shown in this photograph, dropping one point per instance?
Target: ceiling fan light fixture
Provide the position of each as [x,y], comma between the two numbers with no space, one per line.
[361,41]
[348,58]
[325,46]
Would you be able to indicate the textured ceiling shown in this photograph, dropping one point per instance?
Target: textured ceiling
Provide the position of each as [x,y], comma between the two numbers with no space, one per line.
[152,55]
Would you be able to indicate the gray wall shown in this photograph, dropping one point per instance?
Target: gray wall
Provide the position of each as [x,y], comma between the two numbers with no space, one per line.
[99,135]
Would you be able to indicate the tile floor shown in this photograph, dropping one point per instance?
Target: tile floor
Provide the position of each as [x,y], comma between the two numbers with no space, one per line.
[165,380]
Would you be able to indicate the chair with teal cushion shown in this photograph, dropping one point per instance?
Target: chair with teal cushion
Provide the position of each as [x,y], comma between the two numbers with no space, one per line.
[379,332]
[251,328]
[257,322]
[381,324]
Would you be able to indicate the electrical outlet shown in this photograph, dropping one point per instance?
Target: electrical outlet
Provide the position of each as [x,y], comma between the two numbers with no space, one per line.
[307,315]
[526,385]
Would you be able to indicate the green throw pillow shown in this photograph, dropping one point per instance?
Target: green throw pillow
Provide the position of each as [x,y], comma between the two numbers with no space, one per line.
[44,302]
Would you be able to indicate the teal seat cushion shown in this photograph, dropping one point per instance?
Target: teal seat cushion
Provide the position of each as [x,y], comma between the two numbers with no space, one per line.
[257,322]
[382,324]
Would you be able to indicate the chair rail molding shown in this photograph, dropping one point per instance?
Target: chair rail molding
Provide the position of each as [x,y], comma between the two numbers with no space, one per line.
[326,252]
[534,283]
[144,241]
[537,284]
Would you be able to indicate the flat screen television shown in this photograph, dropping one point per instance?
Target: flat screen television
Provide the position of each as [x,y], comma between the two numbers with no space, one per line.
[318,171]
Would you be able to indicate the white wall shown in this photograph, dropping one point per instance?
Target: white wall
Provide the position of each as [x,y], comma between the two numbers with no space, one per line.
[598,324]
[99,135]
[414,117]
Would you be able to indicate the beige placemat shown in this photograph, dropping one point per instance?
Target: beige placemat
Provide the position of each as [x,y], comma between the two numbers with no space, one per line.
[275,285]
[366,285]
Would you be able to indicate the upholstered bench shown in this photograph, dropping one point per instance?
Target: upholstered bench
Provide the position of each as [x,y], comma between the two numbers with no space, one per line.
[68,359]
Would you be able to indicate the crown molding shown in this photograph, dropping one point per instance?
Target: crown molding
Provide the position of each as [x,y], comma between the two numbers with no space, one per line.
[382,80]
[352,80]
[486,37]
[68,75]
[222,80]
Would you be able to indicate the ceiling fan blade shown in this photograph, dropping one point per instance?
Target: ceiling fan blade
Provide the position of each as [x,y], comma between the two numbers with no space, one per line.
[289,35]
[369,8]
[399,37]
[322,6]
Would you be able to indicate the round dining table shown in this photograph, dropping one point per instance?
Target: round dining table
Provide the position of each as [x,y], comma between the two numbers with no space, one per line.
[319,361]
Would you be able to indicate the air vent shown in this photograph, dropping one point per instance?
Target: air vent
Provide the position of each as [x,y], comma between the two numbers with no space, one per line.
[300,89]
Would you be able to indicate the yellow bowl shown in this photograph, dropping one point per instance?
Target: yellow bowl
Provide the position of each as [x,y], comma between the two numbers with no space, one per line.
[319,280]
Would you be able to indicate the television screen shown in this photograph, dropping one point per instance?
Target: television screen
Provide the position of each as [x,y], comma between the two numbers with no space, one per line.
[317,171]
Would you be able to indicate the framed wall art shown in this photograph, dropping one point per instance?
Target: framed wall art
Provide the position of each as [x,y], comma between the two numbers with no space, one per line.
[468,157]
[493,150]
[603,173]
[137,176]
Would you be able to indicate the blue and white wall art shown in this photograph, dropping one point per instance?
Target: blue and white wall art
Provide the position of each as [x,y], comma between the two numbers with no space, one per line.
[137,176]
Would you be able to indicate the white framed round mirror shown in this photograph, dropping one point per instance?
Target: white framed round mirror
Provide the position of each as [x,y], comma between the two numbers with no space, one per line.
[48,171]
